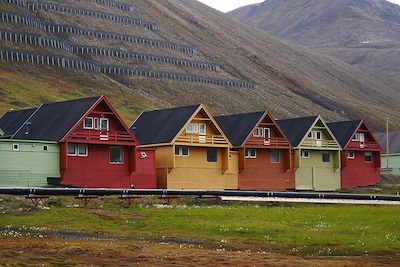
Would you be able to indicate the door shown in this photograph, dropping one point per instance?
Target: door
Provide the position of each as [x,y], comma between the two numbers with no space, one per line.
[202,133]
[362,140]
[104,128]
[267,136]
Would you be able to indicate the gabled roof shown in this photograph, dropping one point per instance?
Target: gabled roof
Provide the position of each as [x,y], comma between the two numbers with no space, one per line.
[52,121]
[344,130]
[11,121]
[238,127]
[394,142]
[161,126]
[296,129]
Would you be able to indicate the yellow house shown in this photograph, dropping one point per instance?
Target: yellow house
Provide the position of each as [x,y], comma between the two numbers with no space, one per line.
[192,152]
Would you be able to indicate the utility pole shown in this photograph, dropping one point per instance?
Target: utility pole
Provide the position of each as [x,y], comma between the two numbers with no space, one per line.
[387,145]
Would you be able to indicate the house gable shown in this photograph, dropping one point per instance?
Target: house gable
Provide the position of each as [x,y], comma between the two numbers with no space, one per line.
[319,136]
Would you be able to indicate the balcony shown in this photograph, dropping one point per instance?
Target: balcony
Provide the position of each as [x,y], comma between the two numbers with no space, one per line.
[202,140]
[326,144]
[371,146]
[97,137]
[273,142]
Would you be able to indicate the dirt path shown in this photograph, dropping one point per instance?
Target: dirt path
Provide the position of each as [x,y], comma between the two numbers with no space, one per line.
[31,251]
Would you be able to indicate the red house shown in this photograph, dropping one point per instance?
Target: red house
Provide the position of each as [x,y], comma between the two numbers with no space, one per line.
[265,160]
[361,155]
[97,149]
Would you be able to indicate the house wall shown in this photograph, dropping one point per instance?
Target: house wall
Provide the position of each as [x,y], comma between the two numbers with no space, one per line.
[30,166]
[394,164]
[356,172]
[194,172]
[313,174]
[261,174]
[145,176]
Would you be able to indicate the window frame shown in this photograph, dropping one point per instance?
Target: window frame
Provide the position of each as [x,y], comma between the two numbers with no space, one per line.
[216,155]
[122,157]
[279,156]
[75,149]
[269,133]
[302,154]
[349,156]
[88,127]
[247,154]
[108,124]
[180,151]
[324,153]
[86,150]
[205,128]
[320,135]
[45,147]
[96,123]
[365,156]
[16,147]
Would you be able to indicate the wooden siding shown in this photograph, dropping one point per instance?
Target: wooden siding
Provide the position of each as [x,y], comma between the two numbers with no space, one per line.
[31,165]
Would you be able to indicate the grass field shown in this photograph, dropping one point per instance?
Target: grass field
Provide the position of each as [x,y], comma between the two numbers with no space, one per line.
[297,231]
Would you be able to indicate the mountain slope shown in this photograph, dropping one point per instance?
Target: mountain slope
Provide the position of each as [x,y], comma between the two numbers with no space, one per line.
[363,33]
[291,81]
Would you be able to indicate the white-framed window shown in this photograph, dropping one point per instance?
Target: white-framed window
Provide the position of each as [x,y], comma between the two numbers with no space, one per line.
[88,123]
[267,133]
[305,154]
[190,128]
[275,156]
[202,128]
[96,123]
[250,153]
[45,148]
[368,156]
[116,155]
[82,150]
[326,157]
[15,147]
[351,155]
[316,135]
[104,124]
[262,132]
[257,132]
[358,137]
[72,149]
[181,151]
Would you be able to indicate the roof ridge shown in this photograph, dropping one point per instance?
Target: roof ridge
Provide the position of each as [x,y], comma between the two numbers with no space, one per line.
[239,114]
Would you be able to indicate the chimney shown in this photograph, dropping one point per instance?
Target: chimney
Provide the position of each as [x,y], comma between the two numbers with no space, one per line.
[28,127]
[133,129]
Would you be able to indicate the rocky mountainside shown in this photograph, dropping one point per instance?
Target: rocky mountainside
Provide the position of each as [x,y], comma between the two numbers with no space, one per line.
[363,33]
[147,54]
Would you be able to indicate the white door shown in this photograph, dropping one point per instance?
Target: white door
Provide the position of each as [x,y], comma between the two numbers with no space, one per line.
[267,136]
[104,127]
[202,133]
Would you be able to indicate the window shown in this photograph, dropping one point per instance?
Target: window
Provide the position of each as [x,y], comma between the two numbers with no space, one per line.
[275,156]
[317,135]
[15,147]
[45,147]
[305,154]
[116,155]
[212,154]
[351,154]
[88,123]
[358,137]
[368,156]
[267,133]
[72,149]
[257,132]
[262,132]
[190,128]
[82,150]
[326,157]
[202,129]
[96,123]
[104,124]
[250,154]
[181,151]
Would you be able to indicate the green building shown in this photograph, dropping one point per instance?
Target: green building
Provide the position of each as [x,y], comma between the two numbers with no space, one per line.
[393,156]
[22,162]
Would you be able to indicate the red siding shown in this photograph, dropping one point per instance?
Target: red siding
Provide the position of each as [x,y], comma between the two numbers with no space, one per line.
[145,176]
[262,174]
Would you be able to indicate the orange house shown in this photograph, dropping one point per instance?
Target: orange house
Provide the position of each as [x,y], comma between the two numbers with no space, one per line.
[265,161]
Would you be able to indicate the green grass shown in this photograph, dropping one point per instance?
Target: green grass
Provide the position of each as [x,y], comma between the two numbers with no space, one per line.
[321,230]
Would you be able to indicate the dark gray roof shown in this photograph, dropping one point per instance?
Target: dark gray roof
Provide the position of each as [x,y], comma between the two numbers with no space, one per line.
[238,127]
[296,129]
[53,121]
[344,130]
[161,126]
[394,142]
[11,121]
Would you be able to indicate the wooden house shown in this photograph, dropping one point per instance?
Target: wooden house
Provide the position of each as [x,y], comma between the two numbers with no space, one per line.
[392,156]
[192,152]
[96,148]
[361,154]
[265,160]
[316,153]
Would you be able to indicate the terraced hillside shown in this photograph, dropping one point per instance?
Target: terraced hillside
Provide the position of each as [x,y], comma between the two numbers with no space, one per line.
[153,54]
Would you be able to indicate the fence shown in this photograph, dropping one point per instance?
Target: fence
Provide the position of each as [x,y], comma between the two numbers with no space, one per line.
[115,4]
[49,6]
[61,62]
[35,39]
[65,29]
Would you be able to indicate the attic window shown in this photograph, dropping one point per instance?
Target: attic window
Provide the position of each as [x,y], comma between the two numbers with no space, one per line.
[88,123]
[316,135]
